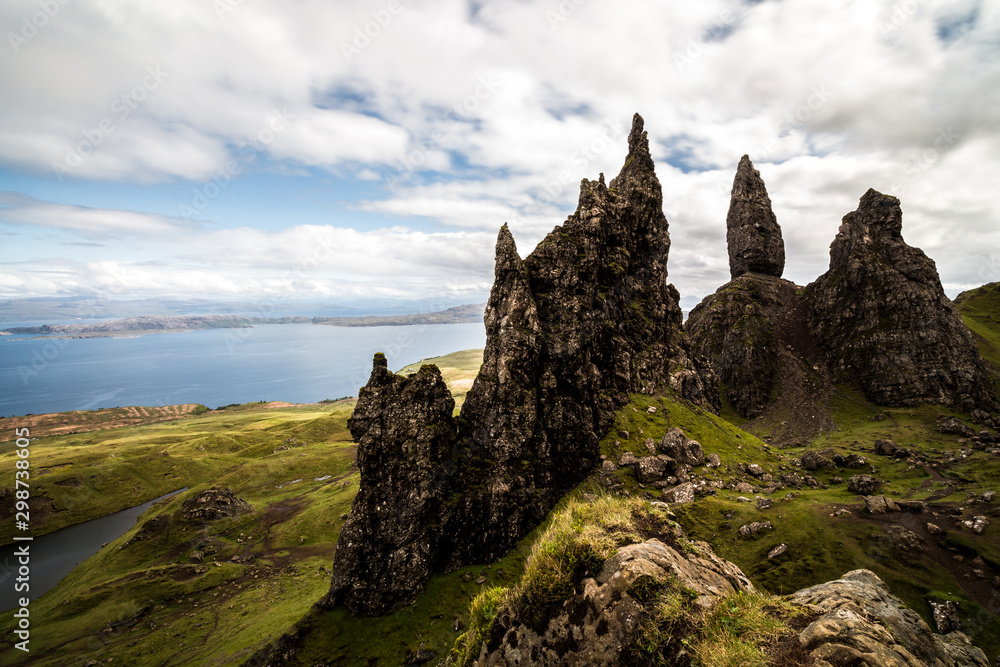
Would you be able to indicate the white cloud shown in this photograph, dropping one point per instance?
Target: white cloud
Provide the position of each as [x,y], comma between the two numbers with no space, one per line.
[481,115]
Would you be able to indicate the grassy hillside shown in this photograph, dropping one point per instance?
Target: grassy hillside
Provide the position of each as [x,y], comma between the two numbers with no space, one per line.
[150,602]
[980,308]
[147,598]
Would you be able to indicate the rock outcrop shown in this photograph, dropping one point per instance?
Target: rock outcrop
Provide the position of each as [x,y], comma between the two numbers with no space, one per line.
[572,330]
[752,231]
[390,542]
[883,318]
[584,320]
[213,504]
[864,625]
[855,620]
[735,328]
[593,627]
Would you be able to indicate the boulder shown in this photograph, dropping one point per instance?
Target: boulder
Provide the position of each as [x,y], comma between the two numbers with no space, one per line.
[815,461]
[777,551]
[977,525]
[650,469]
[862,484]
[888,447]
[755,527]
[880,505]
[863,624]
[946,617]
[593,626]
[681,448]
[953,426]
[682,493]
[628,459]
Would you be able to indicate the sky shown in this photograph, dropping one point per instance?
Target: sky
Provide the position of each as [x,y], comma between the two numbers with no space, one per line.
[342,151]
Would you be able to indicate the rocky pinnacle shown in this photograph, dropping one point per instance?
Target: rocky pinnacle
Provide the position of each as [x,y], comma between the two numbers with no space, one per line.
[752,231]
[571,330]
[884,319]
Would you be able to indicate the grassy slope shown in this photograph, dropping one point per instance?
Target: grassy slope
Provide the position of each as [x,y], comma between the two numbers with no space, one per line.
[222,614]
[149,602]
[980,308]
[458,368]
[219,607]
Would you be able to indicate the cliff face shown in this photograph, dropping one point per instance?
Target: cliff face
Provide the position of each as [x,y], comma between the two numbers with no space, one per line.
[405,432]
[583,321]
[883,318]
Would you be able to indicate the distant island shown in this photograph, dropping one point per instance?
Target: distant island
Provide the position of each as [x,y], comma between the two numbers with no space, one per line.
[149,324]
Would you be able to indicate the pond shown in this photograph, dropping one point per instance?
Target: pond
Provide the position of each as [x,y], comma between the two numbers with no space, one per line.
[53,556]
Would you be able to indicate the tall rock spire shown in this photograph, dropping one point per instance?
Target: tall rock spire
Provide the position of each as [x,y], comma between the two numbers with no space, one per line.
[582,322]
[752,231]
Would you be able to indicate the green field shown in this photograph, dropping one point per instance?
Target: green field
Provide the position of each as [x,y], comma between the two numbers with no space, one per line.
[149,602]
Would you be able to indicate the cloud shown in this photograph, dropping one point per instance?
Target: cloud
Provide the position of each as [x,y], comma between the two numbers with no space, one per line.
[439,122]
[19,209]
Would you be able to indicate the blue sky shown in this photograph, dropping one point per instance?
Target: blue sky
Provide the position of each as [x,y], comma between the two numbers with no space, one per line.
[238,149]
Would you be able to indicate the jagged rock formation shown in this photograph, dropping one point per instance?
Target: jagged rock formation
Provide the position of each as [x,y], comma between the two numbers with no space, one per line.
[584,320]
[735,328]
[593,627]
[883,318]
[863,624]
[752,232]
[389,544]
[213,504]
[856,620]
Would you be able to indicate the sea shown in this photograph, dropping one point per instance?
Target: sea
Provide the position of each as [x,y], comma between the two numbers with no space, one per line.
[297,363]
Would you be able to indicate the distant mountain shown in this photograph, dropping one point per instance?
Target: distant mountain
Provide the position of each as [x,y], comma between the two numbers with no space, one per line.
[167,323]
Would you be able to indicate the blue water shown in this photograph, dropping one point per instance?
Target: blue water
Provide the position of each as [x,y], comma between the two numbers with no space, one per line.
[298,363]
[51,557]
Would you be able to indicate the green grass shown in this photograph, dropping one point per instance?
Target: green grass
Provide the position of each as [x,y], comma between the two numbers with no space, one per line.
[458,368]
[980,308]
[149,602]
[83,476]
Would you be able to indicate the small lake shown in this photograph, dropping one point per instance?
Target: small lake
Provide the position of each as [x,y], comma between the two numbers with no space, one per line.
[297,363]
[53,556]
